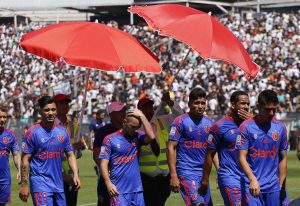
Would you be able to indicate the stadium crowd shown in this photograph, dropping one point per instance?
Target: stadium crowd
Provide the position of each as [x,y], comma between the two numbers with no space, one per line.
[272,39]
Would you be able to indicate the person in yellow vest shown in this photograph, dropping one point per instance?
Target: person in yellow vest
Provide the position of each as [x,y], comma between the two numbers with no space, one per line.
[153,159]
[62,105]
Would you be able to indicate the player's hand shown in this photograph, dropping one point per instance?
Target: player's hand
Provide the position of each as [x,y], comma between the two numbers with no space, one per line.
[254,188]
[24,192]
[244,114]
[112,190]
[174,184]
[18,177]
[76,182]
[135,112]
[203,188]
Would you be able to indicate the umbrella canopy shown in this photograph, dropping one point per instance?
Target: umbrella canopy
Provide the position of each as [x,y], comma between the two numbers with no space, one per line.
[91,45]
[201,31]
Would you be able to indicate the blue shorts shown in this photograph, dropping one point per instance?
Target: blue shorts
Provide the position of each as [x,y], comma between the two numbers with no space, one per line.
[264,199]
[232,195]
[48,198]
[4,194]
[189,185]
[128,199]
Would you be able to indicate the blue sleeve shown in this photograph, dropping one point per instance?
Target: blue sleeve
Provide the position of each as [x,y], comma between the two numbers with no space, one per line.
[105,148]
[141,139]
[176,129]
[91,126]
[283,139]
[28,142]
[15,145]
[242,140]
[68,143]
[213,140]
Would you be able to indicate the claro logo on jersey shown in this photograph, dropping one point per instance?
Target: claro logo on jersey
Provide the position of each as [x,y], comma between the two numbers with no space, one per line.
[125,159]
[49,155]
[261,153]
[194,144]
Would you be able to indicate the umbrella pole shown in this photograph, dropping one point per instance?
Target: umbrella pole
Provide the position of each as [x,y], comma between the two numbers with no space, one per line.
[180,65]
[87,76]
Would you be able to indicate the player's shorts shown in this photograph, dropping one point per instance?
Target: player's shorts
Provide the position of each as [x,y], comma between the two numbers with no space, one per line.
[189,185]
[232,195]
[5,194]
[264,199]
[129,199]
[49,198]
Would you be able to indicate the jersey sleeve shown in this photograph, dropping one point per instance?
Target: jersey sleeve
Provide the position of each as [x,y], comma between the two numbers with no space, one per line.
[176,129]
[141,139]
[105,148]
[213,140]
[242,140]
[283,139]
[28,142]
[15,144]
[68,143]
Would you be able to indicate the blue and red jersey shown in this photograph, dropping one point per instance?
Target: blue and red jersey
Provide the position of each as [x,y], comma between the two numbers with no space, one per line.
[122,154]
[192,143]
[8,143]
[222,138]
[47,148]
[263,146]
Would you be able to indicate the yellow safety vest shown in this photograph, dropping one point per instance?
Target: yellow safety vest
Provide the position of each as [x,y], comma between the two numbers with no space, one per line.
[72,129]
[148,162]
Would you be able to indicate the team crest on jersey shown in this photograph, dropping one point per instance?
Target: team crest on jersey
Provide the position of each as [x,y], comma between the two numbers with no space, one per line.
[207,128]
[255,136]
[275,136]
[60,138]
[5,140]
[194,196]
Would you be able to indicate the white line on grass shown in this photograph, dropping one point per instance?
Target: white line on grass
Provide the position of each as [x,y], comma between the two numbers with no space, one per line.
[88,204]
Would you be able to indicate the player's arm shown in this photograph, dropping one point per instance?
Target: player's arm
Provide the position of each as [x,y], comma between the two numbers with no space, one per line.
[254,185]
[282,168]
[149,134]
[111,188]
[171,157]
[206,171]
[24,190]
[17,162]
[73,165]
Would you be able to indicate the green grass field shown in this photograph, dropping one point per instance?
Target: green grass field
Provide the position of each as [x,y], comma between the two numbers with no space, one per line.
[87,192]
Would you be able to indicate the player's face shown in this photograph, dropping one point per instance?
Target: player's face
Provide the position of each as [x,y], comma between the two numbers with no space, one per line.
[131,125]
[48,113]
[3,119]
[268,111]
[198,106]
[242,104]
[62,107]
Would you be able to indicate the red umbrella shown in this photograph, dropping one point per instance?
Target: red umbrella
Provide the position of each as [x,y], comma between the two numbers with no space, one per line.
[199,30]
[90,45]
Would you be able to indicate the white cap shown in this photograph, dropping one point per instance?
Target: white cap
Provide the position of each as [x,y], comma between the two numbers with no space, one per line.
[115,107]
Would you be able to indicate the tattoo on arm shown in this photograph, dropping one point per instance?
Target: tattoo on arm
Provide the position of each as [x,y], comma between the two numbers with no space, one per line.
[24,172]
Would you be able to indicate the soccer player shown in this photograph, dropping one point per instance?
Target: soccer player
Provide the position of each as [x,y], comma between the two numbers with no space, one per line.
[8,143]
[95,125]
[43,152]
[188,136]
[117,112]
[119,152]
[222,140]
[262,154]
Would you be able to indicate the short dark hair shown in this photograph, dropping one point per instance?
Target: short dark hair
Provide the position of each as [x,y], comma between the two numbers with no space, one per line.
[196,93]
[44,100]
[3,109]
[234,98]
[267,96]
[100,111]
